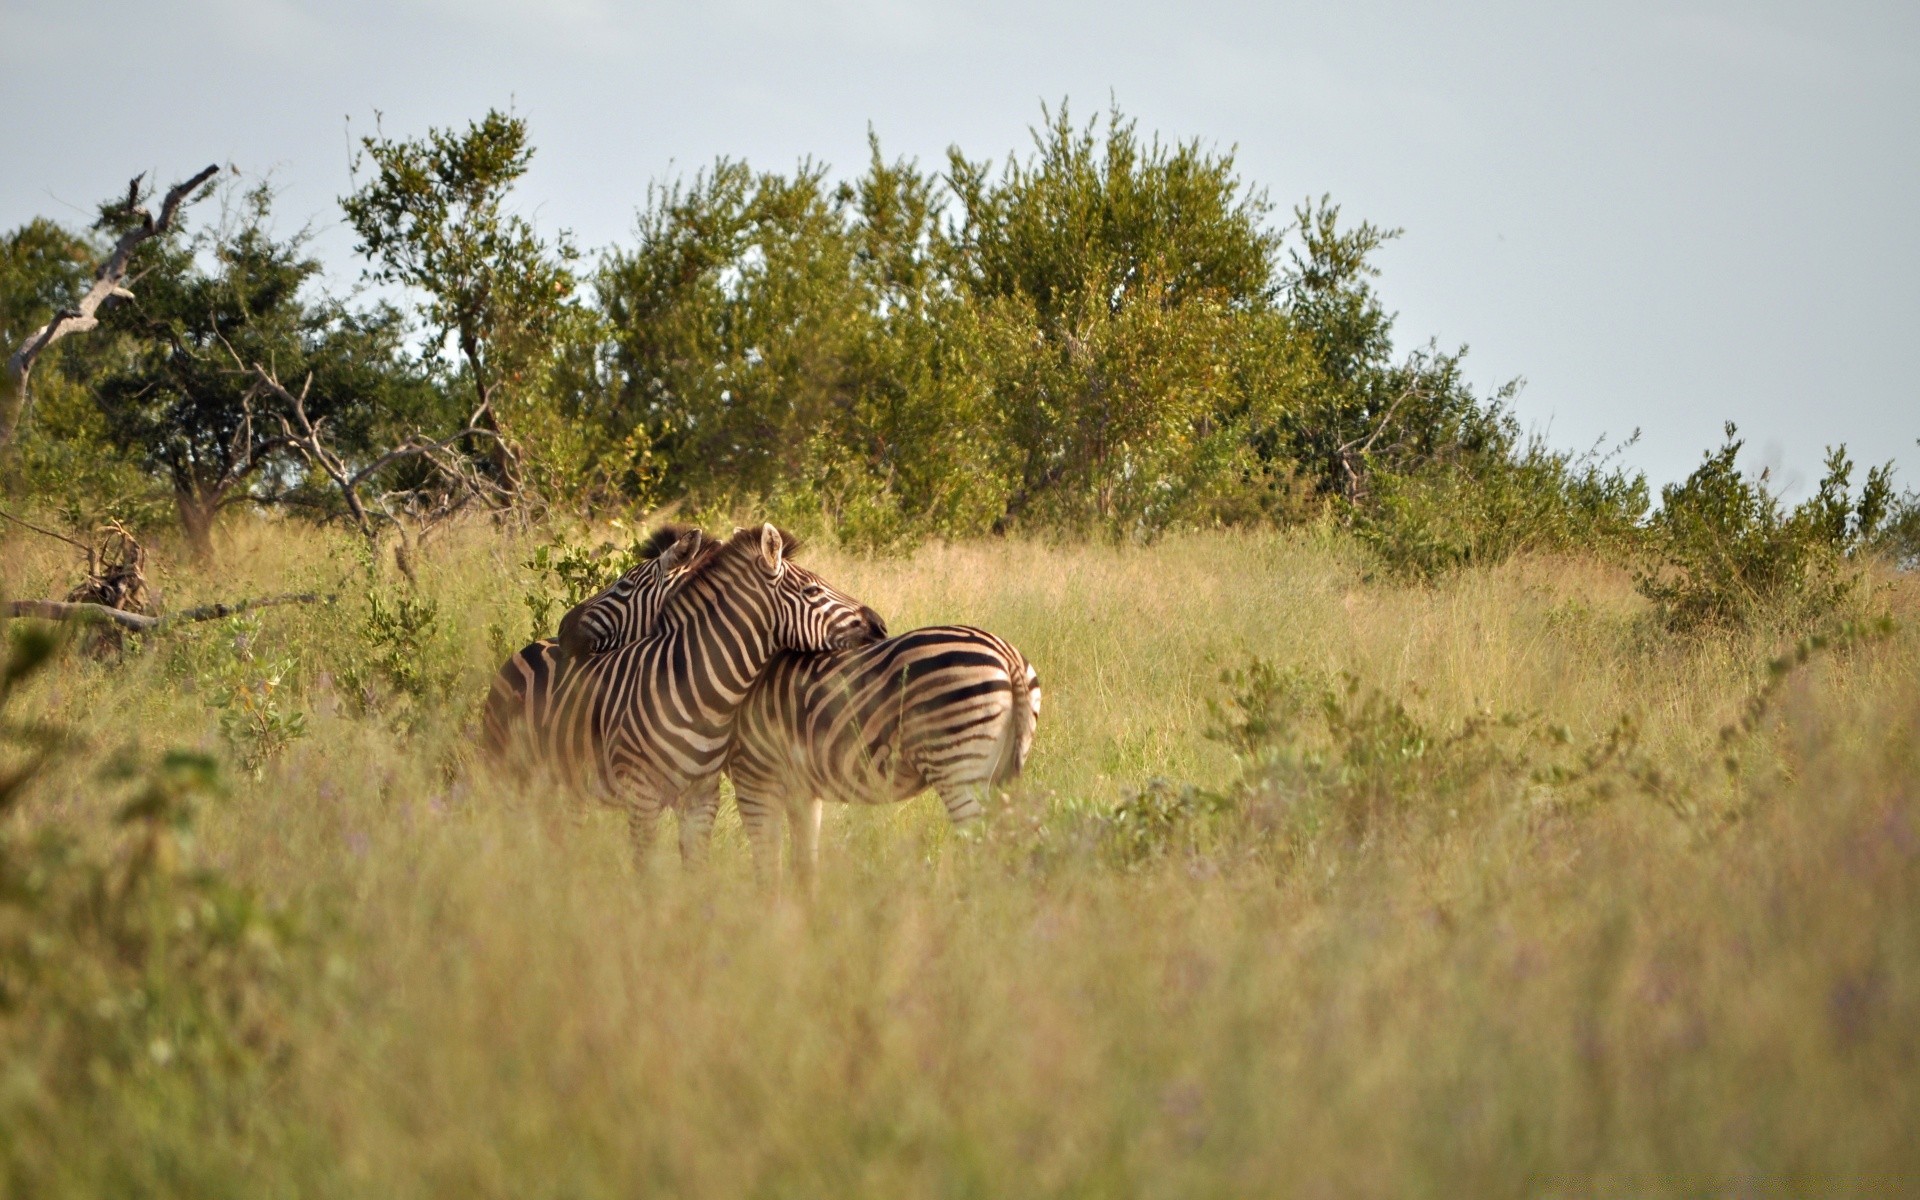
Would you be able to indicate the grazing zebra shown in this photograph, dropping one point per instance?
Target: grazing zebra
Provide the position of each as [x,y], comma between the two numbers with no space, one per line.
[949,707]
[645,724]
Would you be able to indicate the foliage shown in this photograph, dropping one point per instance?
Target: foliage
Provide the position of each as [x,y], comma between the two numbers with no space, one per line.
[251,697]
[1318,758]
[567,573]
[132,981]
[433,217]
[1898,537]
[1478,510]
[1727,553]
[401,665]
[1098,337]
[1109,333]
[185,403]
[63,459]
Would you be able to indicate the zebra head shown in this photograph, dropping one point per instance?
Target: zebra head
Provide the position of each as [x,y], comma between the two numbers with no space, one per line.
[808,612]
[626,610]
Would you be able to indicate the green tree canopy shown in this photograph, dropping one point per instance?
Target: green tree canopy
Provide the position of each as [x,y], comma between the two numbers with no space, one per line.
[433,216]
[185,401]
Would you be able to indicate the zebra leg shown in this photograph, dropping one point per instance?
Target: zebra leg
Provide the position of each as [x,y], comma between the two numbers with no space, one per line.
[763,835]
[803,819]
[965,801]
[643,826]
[697,809]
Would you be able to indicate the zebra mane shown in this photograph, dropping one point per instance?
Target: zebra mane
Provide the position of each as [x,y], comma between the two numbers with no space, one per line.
[741,541]
[661,539]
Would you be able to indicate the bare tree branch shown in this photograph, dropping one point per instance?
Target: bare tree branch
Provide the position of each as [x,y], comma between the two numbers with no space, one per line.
[109,279]
[47,532]
[1356,487]
[57,610]
[308,436]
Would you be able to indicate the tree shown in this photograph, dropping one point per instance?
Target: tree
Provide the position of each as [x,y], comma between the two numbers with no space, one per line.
[135,226]
[433,217]
[1117,275]
[187,403]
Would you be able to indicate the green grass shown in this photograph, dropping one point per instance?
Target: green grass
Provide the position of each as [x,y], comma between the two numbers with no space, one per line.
[1515,989]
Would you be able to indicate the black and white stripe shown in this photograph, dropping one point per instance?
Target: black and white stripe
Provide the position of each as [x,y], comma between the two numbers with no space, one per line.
[949,707]
[646,724]
[519,706]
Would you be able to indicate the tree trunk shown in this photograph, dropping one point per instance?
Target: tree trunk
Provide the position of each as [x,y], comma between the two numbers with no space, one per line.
[197,512]
[498,455]
[13,392]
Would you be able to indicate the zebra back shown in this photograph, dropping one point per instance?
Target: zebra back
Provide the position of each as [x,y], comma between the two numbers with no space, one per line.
[949,707]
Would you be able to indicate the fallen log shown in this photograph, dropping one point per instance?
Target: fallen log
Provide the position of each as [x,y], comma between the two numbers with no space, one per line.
[67,610]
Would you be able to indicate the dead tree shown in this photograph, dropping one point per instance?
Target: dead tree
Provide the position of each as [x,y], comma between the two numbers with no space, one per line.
[370,513]
[109,280]
[1352,455]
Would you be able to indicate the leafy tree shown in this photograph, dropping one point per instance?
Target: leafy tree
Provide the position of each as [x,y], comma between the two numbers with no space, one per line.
[43,267]
[1090,222]
[1357,409]
[732,321]
[433,216]
[1123,274]
[61,458]
[185,403]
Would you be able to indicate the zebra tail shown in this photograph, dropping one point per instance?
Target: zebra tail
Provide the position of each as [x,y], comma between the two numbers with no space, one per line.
[1017,737]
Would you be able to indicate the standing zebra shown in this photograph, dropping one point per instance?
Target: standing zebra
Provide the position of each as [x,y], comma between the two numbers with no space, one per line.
[645,724]
[520,704]
[949,707]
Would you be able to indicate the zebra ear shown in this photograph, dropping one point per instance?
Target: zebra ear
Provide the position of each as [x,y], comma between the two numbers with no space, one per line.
[773,549]
[682,551]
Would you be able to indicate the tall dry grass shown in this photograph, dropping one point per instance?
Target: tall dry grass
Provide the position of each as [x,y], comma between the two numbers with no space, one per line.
[1528,990]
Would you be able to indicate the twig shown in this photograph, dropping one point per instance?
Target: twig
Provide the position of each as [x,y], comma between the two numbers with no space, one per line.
[308,436]
[1355,485]
[47,532]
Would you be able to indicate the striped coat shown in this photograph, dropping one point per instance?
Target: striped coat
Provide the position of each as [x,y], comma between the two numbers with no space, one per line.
[646,724]
[949,707]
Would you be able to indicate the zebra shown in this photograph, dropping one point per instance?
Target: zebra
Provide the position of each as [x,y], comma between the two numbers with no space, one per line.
[520,703]
[949,707]
[646,724]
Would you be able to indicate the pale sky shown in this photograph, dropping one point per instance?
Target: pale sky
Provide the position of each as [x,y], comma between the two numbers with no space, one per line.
[1663,216]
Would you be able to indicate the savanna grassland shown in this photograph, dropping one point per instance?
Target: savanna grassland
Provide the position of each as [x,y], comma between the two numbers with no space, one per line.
[1468,893]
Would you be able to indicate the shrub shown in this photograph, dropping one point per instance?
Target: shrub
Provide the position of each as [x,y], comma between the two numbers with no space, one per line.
[1484,508]
[405,663]
[1727,553]
[1317,757]
[566,573]
[250,694]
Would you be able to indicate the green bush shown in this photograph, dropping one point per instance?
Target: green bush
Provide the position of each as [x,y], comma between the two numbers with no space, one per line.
[566,573]
[1727,553]
[1318,758]
[251,694]
[1446,516]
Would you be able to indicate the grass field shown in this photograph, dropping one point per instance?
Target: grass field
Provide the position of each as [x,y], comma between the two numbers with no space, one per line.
[1649,974]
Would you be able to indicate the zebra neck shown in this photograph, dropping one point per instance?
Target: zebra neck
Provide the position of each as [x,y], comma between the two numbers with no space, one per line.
[723,622]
